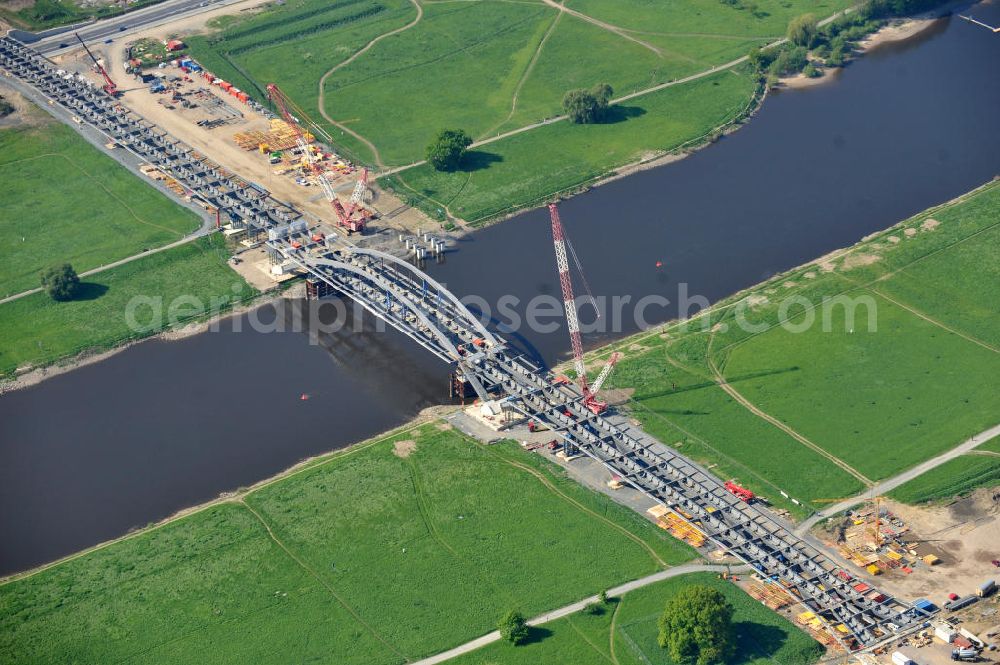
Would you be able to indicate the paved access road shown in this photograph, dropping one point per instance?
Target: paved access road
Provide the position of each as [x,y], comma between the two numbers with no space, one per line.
[892,483]
[572,608]
[58,40]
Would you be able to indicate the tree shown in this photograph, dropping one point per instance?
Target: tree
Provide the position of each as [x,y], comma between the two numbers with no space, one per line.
[513,627]
[61,282]
[802,30]
[697,627]
[588,106]
[447,149]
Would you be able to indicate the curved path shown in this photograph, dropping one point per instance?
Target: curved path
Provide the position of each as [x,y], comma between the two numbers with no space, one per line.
[321,103]
[572,608]
[894,482]
[621,32]
[760,413]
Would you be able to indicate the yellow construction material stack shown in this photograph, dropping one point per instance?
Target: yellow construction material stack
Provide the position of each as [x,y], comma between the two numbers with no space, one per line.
[280,136]
[770,594]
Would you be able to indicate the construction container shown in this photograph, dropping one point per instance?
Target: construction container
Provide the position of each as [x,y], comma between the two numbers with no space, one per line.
[945,633]
[931,560]
[962,602]
[899,658]
[986,588]
[873,569]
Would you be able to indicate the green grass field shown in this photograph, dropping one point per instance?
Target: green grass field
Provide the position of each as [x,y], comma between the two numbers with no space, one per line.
[582,639]
[564,156]
[93,212]
[490,67]
[365,557]
[37,330]
[879,399]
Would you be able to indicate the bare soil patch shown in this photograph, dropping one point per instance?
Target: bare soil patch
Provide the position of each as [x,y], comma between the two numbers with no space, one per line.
[964,534]
[404,448]
[858,259]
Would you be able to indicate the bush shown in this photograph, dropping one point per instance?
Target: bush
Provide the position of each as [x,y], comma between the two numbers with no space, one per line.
[6,108]
[61,282]
[802,30]
[811,71]
[513,627]
[588,106]
[696,627]
[446,150]
[789,61]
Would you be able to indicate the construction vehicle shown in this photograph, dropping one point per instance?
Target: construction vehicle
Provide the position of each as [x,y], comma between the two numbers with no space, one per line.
[740,492]
[561,242]
[354,217]
[109,85]
[967,654]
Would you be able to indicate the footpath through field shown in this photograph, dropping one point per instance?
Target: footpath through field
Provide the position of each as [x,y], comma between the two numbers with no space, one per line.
[207,228]
[572,608]
[897,480]
[639,93]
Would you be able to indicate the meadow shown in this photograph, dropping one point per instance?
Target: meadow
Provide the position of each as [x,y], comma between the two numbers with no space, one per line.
[491,67]
[815,412]
[496,179]
[382,553]
[625,633]
[93,212]
[36,330]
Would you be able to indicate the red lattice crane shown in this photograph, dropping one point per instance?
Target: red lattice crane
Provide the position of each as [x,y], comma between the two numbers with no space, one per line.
[109,85]
[560,241]
[354,217]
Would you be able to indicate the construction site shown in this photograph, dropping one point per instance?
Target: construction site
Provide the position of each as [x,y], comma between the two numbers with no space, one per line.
[282,152]
[869,584]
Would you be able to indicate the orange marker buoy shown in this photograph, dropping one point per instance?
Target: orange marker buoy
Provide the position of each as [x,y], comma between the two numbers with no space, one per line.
[304,397]
[659,264]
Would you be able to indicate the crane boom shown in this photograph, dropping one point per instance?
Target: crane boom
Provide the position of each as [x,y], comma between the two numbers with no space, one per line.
[560,241]
[109,85]
[606,372]
[569,299]
[344,217]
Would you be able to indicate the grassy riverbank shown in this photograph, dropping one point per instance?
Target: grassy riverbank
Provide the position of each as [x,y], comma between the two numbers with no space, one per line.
[378,554]
[817,413]
[94,211]
[489,68]
[192,279]
[625,633]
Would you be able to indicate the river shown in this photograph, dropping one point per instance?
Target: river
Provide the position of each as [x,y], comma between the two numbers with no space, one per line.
[89,454]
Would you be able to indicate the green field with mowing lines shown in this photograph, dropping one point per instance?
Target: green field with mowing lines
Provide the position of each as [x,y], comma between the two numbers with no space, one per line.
[878,401]
[956,477]
[564,156]
[491,67]
[94,211]
[376,554]
[36,330]
[581,639]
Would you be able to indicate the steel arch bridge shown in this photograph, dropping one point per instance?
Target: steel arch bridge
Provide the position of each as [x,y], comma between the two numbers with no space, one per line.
[414,303]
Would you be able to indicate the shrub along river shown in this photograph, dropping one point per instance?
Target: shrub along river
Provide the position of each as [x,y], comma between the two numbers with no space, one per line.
[91,453]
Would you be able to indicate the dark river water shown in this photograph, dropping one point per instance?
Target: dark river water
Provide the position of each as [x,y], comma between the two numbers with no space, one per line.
[89,454]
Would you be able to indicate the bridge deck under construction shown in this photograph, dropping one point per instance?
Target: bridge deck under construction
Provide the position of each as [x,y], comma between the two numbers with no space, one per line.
[414,303]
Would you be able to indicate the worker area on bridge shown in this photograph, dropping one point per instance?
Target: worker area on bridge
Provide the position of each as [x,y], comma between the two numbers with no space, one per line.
[568,419]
